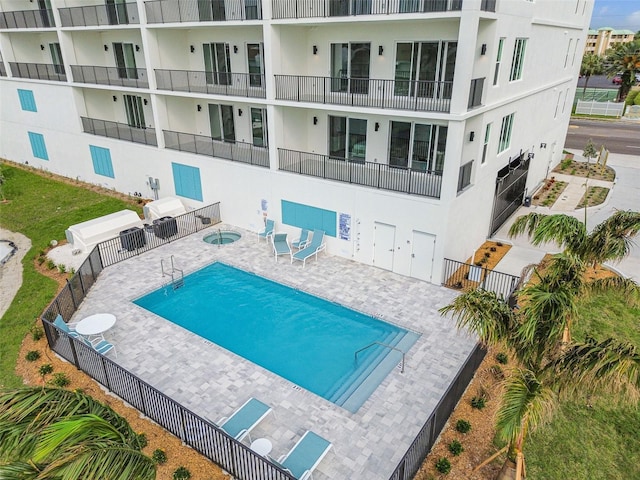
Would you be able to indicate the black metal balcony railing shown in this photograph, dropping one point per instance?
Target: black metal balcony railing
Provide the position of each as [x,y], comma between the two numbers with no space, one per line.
[376,175]
[203,145]
[123,77]
[93,15]
[345,8]
[364,92]
[170,11]
[488,5]
[42,18]
[216,83]
[39,71]
[121,131]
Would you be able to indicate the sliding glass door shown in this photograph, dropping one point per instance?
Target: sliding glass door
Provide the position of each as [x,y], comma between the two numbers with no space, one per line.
[348,139]
[217,64]
[350,65]
[255,65]
[134,110]
[125,60]
[421,67]
[222,124]
[417,146]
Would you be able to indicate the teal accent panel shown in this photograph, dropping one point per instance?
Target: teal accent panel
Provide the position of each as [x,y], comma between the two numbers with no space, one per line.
[101,158]
[38,147]
[27,100]
[186,181]
[311,218]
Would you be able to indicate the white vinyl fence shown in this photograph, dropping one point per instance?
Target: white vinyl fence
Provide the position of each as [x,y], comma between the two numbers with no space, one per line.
[610,109]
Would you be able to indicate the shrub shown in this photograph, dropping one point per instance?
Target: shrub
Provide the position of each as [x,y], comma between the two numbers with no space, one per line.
[142,440]
[181,473]
[463,426]
[41,260]
[62,268]
[456,448]
[487,254]
[502,358]
[479,402]
[493,249]
[45,369]
[159,456]
[443,465]
[496,371]
[499,244]
[51,264]
[32,355]
[60,380]
[566,163]
[36,332]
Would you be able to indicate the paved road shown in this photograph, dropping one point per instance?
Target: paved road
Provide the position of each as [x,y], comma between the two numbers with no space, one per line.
[618,137]
[597,81]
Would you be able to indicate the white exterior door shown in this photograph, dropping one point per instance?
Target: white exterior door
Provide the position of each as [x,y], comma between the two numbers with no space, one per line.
[384,244]
[423,247]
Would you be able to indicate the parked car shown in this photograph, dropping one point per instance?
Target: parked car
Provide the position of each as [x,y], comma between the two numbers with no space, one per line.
[617,80]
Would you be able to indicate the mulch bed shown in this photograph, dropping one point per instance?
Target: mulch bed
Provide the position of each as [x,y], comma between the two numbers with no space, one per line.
[486,257]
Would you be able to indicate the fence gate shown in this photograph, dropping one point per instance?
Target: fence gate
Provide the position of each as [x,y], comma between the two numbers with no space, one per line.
[510,187]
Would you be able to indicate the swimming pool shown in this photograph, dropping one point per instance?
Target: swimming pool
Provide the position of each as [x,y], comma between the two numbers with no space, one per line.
[304,339]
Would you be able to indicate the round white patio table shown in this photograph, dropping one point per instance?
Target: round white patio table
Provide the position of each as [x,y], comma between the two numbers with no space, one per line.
[262,446]
[96,324]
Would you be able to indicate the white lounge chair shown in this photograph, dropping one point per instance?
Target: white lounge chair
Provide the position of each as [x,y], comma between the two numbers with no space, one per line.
[305,455]
[267,233]
[280,245]
[315,246]
[244,419]
[302,241]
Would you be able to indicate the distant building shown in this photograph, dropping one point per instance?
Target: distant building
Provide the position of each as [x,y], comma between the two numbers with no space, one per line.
[599,41]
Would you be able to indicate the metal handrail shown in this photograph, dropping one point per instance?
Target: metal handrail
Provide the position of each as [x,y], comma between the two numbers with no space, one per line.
[175,284]
[382,345]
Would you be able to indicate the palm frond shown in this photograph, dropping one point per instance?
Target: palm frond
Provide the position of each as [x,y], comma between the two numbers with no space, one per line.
[612,239]
[19,471]
[628,288]
[526,405]
[483,313]
[567,231]
[593,365]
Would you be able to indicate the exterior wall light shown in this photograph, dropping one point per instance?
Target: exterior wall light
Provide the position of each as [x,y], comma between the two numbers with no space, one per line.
[380,50]
[315,120]
[106,48]
[192,48]
[199,107]
[315,49]
[472,135]
[483,49]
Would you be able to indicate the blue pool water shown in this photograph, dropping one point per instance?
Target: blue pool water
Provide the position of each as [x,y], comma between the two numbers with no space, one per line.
[309,341]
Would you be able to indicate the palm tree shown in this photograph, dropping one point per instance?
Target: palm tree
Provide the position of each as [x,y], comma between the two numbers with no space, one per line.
[549,371]
[57,434]
[624,60]
[591,65]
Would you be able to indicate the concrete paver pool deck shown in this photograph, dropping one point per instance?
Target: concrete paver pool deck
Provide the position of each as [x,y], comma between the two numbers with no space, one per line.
[213,382]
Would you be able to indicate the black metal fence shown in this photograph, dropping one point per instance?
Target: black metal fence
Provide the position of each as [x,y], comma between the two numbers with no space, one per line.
[120,76]
[428,96]
[38,71]
[427,436]
[376,175]
[41,18]
[169,11]
[216,83]
[345,8]
[92,15]
[203,145]
[121,131]
[460,275]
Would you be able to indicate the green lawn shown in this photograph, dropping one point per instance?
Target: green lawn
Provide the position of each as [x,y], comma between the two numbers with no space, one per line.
[40,208]
[598,443]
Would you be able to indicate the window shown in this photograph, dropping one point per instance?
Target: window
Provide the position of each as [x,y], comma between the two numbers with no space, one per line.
[575,50]
[350,64]
[27,100]
[46,13]
[259,127]
[125,60]
[37,145]
[475,92]
[485,145]
[564,104]
[348,138]
[134,110]
[518,59]
[101,158]
[566,57]
[464,176]
[117,12]
[498,60]
[312,218]
[505,133]
[217,63]
[56,58]
[417,146]
[222,124]
[256,68]
[186,181]
[422,67]
[555,114]
[209,10]
[251,10]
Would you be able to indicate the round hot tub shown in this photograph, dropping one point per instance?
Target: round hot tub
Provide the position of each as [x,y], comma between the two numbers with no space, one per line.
[222,237]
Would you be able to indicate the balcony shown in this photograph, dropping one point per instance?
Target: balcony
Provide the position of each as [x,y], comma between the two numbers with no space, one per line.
[364,92]
[376,175]
[38,71]
[203,145]
[213,83]
[42,18]
[122,77]
[95,15]
[178,11]
[345,8]
[120,131]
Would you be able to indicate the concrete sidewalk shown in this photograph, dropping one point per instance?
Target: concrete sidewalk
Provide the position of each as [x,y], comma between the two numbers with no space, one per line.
[624,195]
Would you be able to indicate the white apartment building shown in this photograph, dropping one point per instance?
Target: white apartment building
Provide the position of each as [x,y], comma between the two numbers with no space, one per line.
[408,130]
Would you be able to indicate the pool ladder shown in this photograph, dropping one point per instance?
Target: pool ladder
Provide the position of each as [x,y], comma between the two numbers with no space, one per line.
[176,281]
